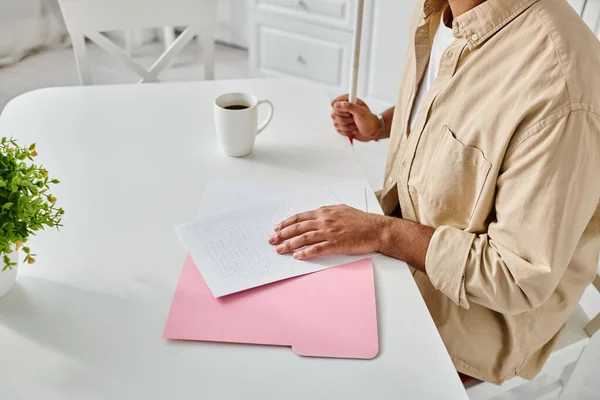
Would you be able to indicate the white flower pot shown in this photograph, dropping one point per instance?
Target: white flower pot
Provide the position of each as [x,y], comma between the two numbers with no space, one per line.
[9,276]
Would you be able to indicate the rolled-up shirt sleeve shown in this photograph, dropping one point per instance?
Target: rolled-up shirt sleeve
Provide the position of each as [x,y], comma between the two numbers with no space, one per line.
[546,193]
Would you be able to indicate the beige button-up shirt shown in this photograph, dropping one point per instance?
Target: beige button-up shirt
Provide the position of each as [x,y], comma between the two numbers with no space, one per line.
[504,162]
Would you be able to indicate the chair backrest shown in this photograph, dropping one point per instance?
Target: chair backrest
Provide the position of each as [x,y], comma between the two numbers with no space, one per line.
[89,18]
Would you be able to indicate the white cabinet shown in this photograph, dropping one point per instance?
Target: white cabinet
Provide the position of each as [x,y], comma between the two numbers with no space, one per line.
[290,47]
[312,39]
[301,55]
[232,22]
[330,13]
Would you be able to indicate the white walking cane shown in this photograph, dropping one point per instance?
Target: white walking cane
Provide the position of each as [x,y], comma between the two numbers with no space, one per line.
[358,22]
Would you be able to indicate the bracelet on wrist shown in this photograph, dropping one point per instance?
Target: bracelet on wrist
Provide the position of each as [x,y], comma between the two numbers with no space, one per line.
[381,125]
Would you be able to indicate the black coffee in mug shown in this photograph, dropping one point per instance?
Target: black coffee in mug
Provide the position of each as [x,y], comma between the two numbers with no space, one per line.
[236,107]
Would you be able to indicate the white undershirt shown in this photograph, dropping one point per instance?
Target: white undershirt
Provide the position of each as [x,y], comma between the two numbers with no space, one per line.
[443,39]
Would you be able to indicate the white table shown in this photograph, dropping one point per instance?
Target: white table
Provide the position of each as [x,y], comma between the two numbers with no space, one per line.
[85,321]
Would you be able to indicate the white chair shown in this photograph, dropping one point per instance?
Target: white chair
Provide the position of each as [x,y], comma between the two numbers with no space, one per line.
[567,367]
[89,18]
[168,36]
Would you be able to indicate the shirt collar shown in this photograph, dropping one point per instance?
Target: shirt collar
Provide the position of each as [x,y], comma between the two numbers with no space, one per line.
[480,23]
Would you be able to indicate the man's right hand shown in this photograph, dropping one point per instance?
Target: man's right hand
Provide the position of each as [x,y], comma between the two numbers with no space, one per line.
[355,120]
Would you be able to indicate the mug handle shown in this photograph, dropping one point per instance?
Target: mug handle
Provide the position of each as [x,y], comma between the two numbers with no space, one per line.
[269,116]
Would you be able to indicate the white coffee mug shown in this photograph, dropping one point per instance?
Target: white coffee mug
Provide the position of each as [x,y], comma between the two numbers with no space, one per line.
[236,120]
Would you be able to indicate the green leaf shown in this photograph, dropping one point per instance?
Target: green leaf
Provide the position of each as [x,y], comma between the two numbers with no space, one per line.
[26,249]
[25,202]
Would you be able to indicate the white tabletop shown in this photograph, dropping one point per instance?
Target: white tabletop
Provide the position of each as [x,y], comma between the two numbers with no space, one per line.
[86,321]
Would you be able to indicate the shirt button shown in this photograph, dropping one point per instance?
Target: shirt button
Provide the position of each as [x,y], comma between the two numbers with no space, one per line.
[474,37]
[390,180]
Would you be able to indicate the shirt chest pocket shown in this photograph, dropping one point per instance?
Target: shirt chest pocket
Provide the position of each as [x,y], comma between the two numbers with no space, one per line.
[447,186]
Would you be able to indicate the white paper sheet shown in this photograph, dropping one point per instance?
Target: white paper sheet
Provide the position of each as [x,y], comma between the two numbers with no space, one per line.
[232,252]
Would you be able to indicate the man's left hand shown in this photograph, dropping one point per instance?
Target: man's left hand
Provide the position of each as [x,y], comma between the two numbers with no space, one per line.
[329,230]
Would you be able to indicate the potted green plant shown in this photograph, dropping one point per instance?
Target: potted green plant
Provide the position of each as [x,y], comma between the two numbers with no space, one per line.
[26,206]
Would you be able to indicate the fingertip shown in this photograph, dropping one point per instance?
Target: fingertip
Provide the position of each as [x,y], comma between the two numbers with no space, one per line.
[341,97]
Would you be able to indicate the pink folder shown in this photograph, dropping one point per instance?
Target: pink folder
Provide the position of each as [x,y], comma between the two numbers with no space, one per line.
[330,313]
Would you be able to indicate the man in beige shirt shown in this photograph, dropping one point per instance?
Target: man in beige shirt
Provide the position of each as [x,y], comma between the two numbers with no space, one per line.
[494,184]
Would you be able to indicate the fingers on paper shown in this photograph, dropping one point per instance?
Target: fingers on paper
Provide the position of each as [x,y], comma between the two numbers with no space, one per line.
[305,216]
[317,249]
[297,242]
[293,231]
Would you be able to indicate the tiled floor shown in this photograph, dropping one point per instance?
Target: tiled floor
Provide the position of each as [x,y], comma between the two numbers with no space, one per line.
[57,68]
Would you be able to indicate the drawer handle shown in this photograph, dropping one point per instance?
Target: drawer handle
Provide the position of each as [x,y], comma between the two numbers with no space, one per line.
[300,59]
[302,4]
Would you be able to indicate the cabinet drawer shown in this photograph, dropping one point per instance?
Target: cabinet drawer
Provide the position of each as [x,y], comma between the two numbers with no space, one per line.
[337,12]
[299,55]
